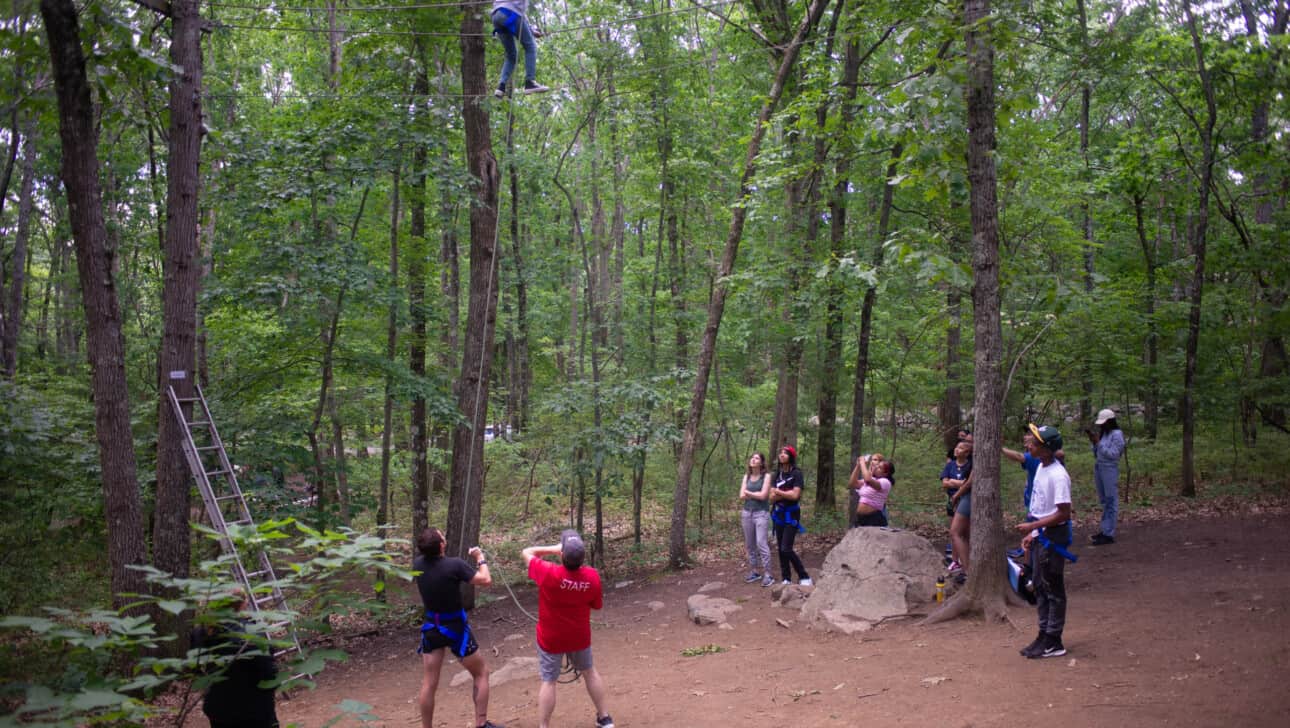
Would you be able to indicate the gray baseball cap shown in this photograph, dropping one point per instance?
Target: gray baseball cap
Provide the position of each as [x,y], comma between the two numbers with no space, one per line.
[572,551]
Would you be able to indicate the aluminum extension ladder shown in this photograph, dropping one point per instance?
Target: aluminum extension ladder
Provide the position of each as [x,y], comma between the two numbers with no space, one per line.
[226,505]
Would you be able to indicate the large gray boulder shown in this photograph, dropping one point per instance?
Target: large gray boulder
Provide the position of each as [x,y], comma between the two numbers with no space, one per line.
[872,575]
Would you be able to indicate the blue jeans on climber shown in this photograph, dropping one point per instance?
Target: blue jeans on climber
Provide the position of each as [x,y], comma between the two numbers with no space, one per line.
[510,23]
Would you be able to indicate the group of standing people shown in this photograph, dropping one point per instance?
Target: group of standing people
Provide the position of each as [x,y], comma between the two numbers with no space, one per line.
[567,592]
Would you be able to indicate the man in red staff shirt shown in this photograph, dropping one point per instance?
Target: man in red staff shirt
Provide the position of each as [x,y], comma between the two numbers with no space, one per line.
[567,592]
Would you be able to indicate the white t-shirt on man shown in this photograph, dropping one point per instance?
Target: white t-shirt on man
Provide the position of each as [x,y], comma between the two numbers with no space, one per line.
[1052,488]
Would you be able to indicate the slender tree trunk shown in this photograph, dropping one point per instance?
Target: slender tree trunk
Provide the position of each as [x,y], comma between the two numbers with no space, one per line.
[18,262]
[450,290]
[1197,235]
[106,344]
[1086,209]
[951,408]
[985,590]
[330,331]
[468,438]
[677,554]
[858,402]
[338,456]
[1272,360]
[55,270]
[832,363]
[1150,403]
[391,352]
[417,248]
[11,154]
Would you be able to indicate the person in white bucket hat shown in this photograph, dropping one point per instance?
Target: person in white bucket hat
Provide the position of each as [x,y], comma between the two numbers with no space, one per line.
[1108,448]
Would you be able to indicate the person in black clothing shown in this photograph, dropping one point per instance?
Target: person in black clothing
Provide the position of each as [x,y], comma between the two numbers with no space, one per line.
[235,699]
[446,626]
[786,513]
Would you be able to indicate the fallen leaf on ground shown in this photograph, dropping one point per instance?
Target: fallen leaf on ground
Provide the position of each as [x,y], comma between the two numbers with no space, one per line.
[934,680]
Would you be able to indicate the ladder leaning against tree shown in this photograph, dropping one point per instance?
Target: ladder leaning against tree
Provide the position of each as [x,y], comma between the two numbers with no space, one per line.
[226,505]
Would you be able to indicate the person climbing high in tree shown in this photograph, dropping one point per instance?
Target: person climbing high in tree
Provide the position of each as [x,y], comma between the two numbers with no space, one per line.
[510,22]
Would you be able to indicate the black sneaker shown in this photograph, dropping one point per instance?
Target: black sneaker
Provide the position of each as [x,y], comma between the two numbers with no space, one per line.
[489,724]
[1101,539]
[605,722]
[1054,647]
[500,93]
[533,87]
[1036,648]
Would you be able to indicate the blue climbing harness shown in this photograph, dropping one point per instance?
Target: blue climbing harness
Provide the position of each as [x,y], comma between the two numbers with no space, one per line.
[783,515]
[1059,548]
[435,621]
[510,21]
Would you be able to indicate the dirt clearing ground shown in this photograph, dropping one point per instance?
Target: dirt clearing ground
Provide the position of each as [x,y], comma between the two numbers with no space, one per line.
[1180,623]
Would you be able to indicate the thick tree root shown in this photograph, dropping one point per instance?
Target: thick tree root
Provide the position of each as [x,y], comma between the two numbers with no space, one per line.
[995,609]
[957,606]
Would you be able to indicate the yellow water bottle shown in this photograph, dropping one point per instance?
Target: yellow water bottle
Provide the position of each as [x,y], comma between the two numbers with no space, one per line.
[940,590]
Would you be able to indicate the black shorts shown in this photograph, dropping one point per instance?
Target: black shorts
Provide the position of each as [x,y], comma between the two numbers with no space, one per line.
[872,519]
[433,639]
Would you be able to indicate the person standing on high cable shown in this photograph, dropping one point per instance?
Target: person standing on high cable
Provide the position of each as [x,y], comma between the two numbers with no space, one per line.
[1108,447]
[446,626]
[511,23]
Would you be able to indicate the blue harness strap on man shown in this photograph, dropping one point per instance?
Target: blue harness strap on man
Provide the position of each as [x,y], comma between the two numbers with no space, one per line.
[1059,548]
[434,621]
[510,21]
[784,515]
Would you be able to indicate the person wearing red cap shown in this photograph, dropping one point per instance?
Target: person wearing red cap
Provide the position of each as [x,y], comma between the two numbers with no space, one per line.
[786,514]
[567,592]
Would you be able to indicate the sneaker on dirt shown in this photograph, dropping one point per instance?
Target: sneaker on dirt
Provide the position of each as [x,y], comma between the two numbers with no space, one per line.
[605,722]
[752,576]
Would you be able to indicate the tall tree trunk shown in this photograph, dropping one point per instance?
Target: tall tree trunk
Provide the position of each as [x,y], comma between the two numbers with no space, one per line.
[832,363]
[858,402]
[417,249]
[951,407]
[985,590]
[181,267]
[1085,206]
[677,553]
[55,271]
[330,331]
[481,166]
[106,344]
[338,456]
[1197,235]
[1151,398]
[18,262]
[1272,360]
[450,290]
[391,353]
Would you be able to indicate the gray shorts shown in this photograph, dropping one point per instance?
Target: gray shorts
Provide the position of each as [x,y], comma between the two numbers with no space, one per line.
[551,663]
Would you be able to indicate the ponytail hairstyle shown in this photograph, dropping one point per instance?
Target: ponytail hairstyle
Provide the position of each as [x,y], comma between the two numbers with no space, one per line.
[430,543]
